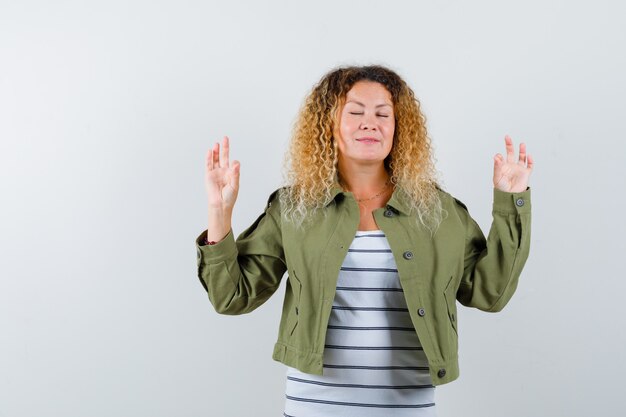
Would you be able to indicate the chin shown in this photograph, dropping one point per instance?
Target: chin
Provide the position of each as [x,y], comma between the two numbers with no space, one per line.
[371,160]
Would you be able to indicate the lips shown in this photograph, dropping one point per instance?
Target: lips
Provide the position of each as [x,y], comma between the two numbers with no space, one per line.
[367,140]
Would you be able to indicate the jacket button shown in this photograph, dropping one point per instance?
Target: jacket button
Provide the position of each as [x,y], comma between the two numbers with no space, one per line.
[408,255]
[388,213]
[421,312]
[519,202]
[441,373]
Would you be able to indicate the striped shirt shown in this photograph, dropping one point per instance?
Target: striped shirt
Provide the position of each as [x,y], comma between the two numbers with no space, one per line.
[374,365]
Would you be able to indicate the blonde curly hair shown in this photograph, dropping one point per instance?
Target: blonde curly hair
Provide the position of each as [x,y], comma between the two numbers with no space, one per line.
[311,161]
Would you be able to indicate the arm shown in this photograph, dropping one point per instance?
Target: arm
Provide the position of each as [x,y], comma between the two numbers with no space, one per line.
[492,267]
[241,275]
[238,276]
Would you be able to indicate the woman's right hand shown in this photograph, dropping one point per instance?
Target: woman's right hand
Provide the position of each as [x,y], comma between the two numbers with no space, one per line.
[222,177]
[222,186]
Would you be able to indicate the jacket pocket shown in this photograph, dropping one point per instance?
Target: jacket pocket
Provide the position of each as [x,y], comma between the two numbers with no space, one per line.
[450,296]
[296,287]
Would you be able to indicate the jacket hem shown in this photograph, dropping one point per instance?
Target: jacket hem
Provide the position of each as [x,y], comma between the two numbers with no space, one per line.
[307,362]
[441,372]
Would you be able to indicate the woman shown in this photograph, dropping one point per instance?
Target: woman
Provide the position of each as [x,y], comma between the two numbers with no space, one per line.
[376,253]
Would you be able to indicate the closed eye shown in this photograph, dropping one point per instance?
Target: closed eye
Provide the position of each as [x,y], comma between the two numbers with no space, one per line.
[355,113]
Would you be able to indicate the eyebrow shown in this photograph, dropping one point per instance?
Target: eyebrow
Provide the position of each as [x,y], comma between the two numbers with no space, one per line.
[363,105]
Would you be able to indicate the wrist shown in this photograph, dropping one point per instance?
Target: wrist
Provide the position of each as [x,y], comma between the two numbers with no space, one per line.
[218,228]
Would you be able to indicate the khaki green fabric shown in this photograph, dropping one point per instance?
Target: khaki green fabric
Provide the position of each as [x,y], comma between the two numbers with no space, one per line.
[456,263]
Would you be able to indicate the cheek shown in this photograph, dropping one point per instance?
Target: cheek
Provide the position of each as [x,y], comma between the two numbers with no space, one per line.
[390,130]
[347,126]
[346,131]
[389,144]
[340,133]
[389,133]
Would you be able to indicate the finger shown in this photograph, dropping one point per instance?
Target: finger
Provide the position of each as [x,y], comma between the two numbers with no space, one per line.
[209,159]
[216,155]
[522,153]
[498,159]
[224,156]
[236,170]
[510,151]
[531,162]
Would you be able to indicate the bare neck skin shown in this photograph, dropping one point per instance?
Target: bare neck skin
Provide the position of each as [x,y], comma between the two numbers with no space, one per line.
[366,181]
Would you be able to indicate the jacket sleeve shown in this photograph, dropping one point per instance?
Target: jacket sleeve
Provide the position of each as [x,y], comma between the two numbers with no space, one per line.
[492,267]
[241,275]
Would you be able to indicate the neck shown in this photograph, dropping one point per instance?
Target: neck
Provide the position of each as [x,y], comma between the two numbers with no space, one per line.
[363,180]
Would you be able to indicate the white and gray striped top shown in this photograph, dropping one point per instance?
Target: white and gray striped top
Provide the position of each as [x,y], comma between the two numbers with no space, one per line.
[373,361]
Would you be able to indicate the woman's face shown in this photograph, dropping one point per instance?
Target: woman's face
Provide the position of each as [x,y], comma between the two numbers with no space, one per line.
[366,124]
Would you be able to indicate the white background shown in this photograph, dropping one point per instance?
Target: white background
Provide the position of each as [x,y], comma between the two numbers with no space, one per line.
[106,112]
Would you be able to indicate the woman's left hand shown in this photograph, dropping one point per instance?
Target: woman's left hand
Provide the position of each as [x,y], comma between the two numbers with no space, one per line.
[511,175]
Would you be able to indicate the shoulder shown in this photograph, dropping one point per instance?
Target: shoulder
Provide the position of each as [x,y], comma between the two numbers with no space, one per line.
[276,201]
[453,206]
[448,200]
[274,197]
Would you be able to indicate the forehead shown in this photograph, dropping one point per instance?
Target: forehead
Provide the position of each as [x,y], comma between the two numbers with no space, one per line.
[369,91]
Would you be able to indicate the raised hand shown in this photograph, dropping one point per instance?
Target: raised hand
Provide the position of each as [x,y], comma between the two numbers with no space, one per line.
[222,186]
[511,175]
[222,177]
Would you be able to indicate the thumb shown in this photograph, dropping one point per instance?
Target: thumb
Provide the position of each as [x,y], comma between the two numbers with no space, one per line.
[498,159]
[236,171]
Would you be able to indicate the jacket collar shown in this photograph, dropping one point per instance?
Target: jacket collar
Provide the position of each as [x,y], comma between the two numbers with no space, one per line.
[397,201]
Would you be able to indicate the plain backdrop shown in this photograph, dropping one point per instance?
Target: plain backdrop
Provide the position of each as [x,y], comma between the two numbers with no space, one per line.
[107,109]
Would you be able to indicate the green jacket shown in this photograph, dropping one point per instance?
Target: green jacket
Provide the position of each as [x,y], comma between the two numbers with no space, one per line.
[457,263]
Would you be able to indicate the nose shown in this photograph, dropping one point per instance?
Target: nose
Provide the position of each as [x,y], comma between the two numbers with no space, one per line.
[368,122]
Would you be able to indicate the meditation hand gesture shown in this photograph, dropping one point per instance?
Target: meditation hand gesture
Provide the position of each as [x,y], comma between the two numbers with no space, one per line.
[222,186]
[222,177]
[512,175]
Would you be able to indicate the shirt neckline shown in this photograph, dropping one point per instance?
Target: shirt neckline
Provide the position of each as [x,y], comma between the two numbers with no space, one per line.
[374,232]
